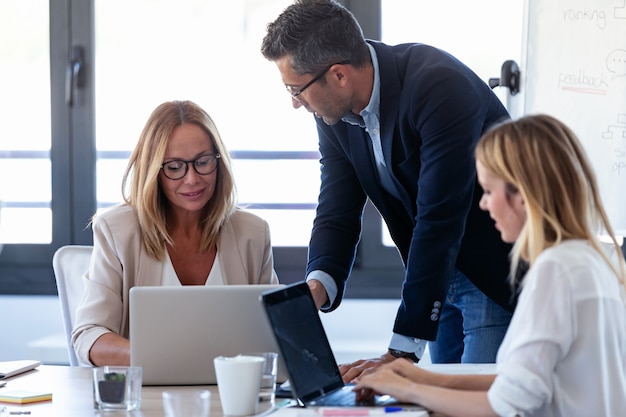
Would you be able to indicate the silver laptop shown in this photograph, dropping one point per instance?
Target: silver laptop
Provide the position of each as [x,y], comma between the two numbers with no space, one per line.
[175,332]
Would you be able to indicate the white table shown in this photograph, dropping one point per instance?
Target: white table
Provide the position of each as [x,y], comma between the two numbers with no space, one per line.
[72,394]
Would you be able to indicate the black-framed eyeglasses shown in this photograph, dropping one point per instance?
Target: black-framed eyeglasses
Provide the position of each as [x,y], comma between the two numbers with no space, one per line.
[295,93]
[176,169]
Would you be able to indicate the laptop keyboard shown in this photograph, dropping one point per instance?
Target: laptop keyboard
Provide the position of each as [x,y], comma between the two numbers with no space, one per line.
[341,397]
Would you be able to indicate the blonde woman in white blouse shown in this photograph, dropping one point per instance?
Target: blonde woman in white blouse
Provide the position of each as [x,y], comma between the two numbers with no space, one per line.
[564,354]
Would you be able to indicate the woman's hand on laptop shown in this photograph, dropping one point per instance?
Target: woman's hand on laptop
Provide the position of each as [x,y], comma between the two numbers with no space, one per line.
[395,379]
[352,372]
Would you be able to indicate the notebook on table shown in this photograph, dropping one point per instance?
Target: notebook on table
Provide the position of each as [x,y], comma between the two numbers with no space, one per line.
[314,376]
[175,332]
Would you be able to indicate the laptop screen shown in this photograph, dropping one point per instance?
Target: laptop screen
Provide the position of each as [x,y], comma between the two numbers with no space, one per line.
[302,341]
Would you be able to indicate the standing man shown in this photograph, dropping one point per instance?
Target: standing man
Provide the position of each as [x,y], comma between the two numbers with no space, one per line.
[398,125]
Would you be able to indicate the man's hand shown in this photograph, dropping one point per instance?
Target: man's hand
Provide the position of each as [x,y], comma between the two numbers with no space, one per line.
[318,292]
[351,372]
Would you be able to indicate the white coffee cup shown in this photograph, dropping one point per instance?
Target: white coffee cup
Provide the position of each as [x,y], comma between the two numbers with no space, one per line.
[238,383]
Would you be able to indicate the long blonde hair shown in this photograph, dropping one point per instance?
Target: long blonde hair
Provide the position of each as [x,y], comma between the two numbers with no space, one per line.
[140,185]
[542,158]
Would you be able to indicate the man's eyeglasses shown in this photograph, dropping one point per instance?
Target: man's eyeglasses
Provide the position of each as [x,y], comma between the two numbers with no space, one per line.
[203,165]
[295,93]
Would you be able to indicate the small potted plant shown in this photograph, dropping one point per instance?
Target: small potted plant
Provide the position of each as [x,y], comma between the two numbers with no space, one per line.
[112,387]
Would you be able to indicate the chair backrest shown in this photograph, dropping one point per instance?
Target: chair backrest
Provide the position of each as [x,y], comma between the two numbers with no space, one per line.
[70,264]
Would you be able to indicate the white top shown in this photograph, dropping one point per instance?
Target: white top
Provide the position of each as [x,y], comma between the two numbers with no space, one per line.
[564,353]
[169,277]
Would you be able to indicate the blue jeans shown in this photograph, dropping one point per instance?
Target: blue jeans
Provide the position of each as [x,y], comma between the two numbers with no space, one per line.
[471,325]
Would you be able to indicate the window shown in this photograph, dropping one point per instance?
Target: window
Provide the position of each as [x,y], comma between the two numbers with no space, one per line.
[74,151]
[208,52]
[25,146]
[62,161]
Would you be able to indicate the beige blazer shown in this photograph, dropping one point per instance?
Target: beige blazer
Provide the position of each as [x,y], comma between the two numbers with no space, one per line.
[120,262]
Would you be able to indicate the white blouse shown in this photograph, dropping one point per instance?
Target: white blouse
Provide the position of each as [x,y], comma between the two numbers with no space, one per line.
[564,353]
[169,277]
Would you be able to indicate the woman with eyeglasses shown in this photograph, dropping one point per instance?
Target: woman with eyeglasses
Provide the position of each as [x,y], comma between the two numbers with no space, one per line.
[564,354]
[179,225]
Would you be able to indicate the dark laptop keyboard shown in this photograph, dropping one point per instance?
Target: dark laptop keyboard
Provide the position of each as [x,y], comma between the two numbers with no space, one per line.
[339,397]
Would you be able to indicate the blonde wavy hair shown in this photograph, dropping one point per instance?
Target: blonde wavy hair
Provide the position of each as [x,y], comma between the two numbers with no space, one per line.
[140,184]
[542,158]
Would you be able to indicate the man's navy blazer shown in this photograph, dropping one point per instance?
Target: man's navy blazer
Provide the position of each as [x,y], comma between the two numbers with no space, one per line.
[433,110]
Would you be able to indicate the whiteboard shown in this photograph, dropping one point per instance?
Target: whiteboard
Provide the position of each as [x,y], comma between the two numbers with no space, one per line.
[574,68]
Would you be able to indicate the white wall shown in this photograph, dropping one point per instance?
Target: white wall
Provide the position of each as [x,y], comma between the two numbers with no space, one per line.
[31,327]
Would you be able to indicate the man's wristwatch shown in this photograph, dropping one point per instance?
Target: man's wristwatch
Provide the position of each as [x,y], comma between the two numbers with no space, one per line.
[400,354]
